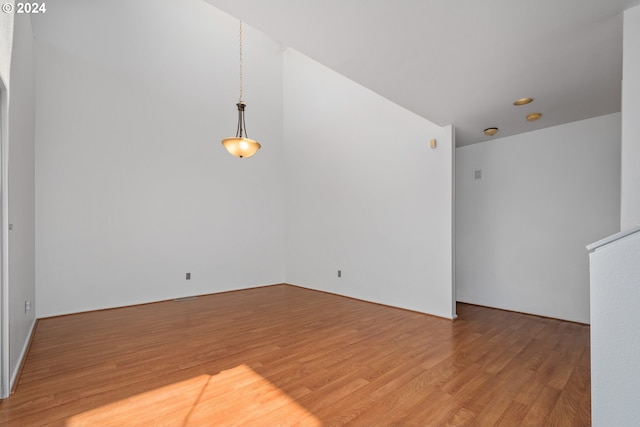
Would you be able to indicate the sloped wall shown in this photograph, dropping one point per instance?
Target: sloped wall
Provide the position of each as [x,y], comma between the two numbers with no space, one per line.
[364,193]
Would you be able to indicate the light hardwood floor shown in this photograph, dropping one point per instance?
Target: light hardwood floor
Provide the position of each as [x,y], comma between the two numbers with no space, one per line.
[283,355]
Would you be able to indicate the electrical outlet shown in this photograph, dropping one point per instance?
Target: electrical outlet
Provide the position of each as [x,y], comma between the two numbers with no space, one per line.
[188,276]
[339,273]
[27,306]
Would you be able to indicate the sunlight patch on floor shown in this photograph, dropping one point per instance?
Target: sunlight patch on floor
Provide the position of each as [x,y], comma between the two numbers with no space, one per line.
[237,396]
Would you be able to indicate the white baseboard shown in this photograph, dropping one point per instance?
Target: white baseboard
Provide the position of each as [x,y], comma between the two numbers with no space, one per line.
[23,355]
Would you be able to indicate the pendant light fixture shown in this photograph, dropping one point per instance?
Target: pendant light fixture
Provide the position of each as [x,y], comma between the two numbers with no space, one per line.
[240,145]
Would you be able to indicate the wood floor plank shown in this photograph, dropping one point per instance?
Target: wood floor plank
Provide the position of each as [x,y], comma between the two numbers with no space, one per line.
[283,355]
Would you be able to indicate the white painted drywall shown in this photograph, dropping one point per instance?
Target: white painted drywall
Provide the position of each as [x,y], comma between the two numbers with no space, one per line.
[630,200]
[21,173]
[6,42]
[364,193]
[4,260]
[521,230]
[133,186]
[615,342]
[6,37]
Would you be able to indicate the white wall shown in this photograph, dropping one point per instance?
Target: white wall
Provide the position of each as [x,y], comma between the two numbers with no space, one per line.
[16,59]
[21,173]
[133,186]
[521,230]
[615,342]
[364,193]
[630,202]
[6,37]
[615,272]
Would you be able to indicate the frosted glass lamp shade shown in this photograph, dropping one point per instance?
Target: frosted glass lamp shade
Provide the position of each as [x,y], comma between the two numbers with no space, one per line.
[241,147]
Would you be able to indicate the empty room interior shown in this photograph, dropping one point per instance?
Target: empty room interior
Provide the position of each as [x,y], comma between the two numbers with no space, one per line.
[429,214]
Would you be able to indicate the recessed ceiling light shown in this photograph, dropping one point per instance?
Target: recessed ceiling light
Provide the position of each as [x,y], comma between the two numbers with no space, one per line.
[533,117]
[490,131]
[523,101]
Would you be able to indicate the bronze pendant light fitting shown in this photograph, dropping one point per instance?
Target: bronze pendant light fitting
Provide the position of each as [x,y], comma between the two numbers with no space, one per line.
[240,145]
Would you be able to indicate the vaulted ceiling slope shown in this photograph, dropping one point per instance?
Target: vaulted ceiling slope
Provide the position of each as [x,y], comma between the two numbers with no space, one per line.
[462,62]
[459,62]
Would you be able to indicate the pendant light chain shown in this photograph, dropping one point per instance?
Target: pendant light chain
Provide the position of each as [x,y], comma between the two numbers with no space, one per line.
[240,100]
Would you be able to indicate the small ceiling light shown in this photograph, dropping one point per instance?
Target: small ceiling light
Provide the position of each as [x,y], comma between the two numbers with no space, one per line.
[490,131]
[240,145]
[533,117]
[523,101]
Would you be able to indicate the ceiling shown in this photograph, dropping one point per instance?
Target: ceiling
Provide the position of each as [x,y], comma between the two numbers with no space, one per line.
[462,62]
